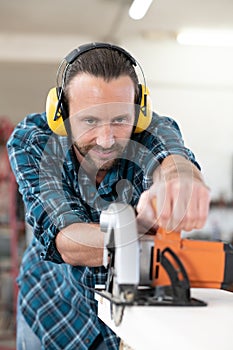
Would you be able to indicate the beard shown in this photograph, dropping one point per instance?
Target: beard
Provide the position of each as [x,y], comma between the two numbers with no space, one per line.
[100,164]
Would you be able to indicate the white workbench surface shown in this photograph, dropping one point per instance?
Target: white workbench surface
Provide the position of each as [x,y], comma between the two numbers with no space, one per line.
[182,328]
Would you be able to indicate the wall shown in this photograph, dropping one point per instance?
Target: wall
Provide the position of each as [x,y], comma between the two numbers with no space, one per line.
[195,86]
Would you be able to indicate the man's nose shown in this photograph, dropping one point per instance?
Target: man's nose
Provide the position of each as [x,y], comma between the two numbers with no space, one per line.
[105,136]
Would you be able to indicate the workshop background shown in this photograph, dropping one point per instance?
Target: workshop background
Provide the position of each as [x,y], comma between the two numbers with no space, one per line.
[191,83]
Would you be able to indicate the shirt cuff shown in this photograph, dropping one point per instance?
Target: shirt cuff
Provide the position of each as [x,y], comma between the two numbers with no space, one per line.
[52,254]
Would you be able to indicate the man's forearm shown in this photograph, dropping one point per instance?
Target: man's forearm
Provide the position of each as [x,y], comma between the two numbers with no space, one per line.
[174,166]
[81,244]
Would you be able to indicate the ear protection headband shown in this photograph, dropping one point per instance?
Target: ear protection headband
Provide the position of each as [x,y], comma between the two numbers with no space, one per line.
[55,107]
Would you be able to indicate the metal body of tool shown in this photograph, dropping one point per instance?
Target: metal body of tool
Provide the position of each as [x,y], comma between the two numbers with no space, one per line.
[158,270]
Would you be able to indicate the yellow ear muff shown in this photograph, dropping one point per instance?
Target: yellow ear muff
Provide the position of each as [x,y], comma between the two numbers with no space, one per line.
[145,111]
[53,113]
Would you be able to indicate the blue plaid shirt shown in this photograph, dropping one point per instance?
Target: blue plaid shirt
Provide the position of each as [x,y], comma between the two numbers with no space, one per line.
[57,299]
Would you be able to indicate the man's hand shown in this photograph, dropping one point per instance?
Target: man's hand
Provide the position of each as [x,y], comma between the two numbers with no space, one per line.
[146,214]
[178,199]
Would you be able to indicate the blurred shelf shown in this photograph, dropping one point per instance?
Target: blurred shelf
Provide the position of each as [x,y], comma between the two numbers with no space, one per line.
[12,236]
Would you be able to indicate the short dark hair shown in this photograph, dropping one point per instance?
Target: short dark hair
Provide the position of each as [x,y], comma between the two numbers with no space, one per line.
[106,63]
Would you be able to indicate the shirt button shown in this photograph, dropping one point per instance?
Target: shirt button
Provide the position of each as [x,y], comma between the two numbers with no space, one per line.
[97,270]
[87,341]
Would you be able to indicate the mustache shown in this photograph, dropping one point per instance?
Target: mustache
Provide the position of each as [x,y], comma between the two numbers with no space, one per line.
[87,148]
[115,147]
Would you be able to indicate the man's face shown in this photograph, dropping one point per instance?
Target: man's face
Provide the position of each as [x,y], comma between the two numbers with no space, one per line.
[101,117]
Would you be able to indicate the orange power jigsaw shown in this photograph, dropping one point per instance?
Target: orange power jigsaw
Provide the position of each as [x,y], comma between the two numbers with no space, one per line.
[158,270]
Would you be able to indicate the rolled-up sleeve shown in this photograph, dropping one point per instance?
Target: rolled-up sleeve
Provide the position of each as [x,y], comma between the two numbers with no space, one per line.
[51,203]
[170,138]
[164,138]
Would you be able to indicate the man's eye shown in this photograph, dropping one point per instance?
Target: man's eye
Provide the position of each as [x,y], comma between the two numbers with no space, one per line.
[120,120]
[90,121]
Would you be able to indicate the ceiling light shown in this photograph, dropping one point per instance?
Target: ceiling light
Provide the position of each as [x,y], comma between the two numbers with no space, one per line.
[218,38]
[139,8]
